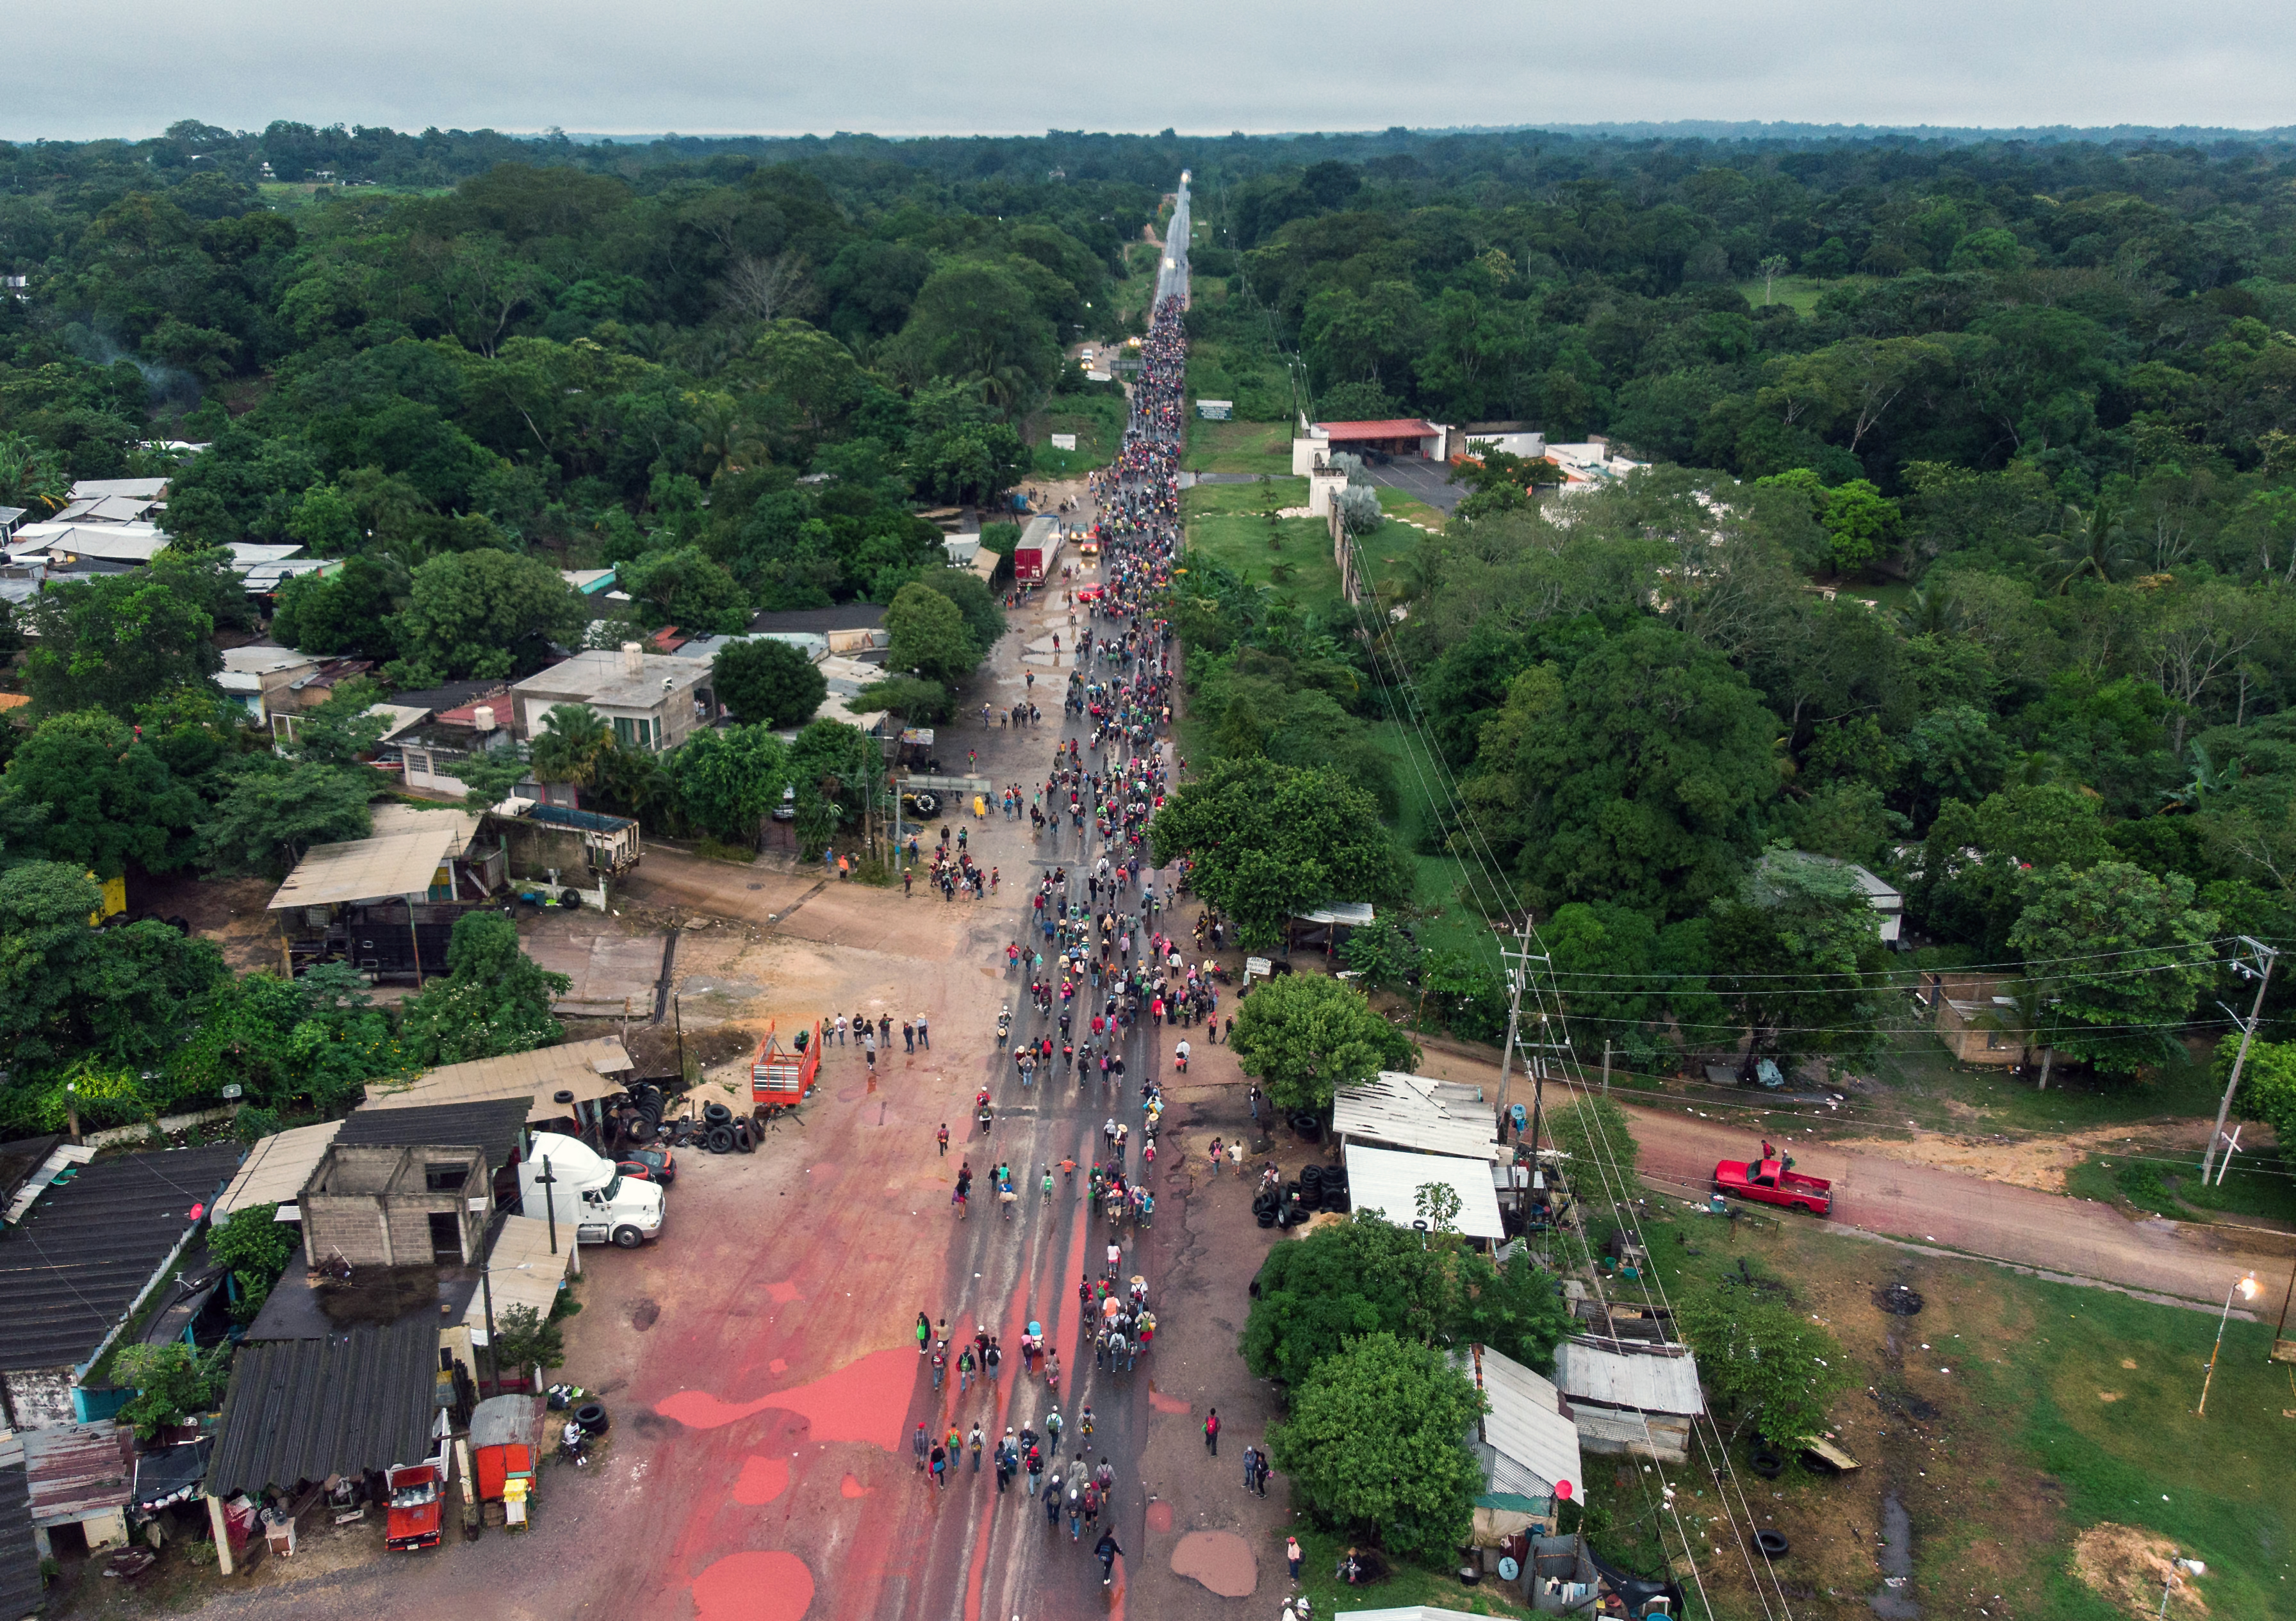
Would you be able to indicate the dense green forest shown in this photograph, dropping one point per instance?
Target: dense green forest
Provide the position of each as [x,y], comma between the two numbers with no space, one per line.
[1970,557]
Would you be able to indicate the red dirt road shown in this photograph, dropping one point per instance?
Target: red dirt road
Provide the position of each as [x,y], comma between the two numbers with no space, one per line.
[1952,1209]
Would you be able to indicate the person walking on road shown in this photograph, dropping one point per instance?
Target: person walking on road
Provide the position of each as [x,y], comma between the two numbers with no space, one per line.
[1212,1428]
[1292,1555]
[921,1445]
[940,1466]
[924,1039]
[944,1139]
[1108,1552]
[973,1444]
[925,1333]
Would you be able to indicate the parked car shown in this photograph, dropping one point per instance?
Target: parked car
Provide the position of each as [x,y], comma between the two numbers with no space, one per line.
[649,1163]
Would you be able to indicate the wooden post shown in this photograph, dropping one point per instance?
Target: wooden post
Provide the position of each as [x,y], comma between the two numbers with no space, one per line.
[1606,1065]
[222,1534]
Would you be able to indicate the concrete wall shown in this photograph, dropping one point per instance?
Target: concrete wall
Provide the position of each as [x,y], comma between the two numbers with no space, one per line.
[39,1398]
[369,1206]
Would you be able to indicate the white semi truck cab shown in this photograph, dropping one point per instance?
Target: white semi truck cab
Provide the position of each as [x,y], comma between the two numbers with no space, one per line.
[583,1191]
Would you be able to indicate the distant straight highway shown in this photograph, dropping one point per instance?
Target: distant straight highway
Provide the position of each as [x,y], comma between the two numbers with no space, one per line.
[1172,279]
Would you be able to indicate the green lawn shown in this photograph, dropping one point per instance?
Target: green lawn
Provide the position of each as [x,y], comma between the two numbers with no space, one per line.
[1097,419]
[2161,1182]
[1446,886]
[2010,1415]
[1938,1091]
[1240,447]
[1250,376]
[1799,293]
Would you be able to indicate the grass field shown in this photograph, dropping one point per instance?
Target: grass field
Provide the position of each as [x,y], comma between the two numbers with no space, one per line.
[1799,293]
[1097,419]
[2008,1417]
[1239,448]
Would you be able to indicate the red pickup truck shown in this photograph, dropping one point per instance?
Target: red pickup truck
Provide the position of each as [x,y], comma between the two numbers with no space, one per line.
[417,1509]
[1768,1182]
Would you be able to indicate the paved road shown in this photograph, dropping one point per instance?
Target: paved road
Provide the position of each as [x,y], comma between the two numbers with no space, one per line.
[1172,279]
[1953,1209]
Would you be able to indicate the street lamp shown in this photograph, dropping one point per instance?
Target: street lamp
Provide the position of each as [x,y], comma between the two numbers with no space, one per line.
[2246,1290]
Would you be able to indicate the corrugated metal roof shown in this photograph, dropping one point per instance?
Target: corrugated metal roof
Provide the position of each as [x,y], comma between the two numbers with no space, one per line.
[75,1470]
[1412,1111]
[1662,1378]
[497,1126]
[73,1268]
[521,1271]
[1379,1179]
[275,1169]
[368,869]
[586,1069]
[306,1409]
[21,1589]
[1525,1427]
[500,1420]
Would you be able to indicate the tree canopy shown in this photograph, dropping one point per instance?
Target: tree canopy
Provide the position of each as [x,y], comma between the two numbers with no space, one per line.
[1304,1036]
[772,684]
[1268,842]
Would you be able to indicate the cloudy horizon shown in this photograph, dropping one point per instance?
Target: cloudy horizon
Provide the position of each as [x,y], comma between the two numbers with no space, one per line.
[1009,68]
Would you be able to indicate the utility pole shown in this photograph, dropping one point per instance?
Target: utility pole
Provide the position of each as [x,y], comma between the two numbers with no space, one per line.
[1519,962]
[2256,965]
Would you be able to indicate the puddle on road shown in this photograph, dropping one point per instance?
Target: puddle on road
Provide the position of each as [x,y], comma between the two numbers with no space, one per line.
[1895,1601]
[1221,1560]
[762,1479]
[863,1400]
[754,1586]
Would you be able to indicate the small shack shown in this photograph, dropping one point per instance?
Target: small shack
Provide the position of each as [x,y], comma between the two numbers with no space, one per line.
[503,1444]
[497,1126]
[1630,1397]
[1528,1446]
[1327,928]
[388,904]
[1416,1112]
[366,1205]
[1387,1183]
[79,1477]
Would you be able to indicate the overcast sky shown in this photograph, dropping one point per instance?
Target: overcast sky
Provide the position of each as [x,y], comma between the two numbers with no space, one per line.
[90,68]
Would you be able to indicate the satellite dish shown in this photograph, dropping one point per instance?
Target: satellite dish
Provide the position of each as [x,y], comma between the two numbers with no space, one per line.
[1508,1568]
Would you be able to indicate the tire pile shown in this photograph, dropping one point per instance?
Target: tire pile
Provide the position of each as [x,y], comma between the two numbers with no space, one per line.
[1319,1188]
[640,1110]
[722,1132]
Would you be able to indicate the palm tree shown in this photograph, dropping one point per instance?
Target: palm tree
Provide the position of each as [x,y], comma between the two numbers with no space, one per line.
[2094,544]
[574,740]
[2030,1013]
[1932,612]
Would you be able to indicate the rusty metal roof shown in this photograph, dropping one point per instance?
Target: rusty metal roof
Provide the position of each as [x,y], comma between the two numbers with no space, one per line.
[77,1470]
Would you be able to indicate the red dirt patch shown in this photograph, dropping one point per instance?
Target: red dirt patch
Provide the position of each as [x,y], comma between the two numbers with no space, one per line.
[762,1480]
[1160,1517]
[1165,1403]
[850,1487]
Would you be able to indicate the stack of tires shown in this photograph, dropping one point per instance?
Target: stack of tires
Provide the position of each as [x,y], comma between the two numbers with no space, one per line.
[722,1133]
[1335,1186]
[640,1111]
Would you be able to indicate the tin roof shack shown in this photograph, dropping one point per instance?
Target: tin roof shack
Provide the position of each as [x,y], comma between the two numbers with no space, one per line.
[1326,928]
[74,1270]
[561,845]
[275,1169]
[585,1070]
[1528,1446]
[1630,1397]
[368,1205]
[1414,1112]
[388,904]
[79,1477]
[1387,1184]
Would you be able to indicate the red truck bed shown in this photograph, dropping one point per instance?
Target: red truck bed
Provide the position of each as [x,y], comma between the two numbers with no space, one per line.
[1768,1182]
